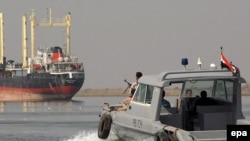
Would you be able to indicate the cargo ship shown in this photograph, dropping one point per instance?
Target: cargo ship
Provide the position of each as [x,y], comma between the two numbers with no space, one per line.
[47,74]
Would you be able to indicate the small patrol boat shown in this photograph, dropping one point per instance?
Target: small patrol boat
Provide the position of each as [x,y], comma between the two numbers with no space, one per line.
[186,120]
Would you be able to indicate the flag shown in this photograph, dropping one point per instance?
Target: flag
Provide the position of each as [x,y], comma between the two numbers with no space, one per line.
[226,64]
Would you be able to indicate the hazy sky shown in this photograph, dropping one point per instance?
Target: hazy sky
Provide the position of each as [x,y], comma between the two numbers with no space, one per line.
[116,38]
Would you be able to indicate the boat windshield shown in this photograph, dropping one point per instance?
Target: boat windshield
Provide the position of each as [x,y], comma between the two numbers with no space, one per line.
[143,94]
[219,89]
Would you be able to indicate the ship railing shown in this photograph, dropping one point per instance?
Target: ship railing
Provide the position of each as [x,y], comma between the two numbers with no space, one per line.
[70,67]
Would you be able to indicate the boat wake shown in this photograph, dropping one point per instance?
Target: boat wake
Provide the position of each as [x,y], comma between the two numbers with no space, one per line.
[92,136]
[85,136]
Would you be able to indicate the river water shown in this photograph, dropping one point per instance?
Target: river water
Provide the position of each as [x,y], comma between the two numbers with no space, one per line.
[75,120]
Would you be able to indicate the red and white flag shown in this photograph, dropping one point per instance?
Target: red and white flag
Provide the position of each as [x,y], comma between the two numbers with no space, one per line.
[226,64]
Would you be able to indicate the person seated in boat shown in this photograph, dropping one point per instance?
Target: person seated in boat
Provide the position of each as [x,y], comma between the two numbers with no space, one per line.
[186,110]
[134,85]
[165,103]
[204,100]
[187,102]
[199,101]
[188,93]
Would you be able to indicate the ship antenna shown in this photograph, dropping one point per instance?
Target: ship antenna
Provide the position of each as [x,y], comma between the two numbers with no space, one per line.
[199,62]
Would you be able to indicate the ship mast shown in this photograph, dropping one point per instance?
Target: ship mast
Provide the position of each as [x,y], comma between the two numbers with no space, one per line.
[24,45]
[1,39]
[49,23]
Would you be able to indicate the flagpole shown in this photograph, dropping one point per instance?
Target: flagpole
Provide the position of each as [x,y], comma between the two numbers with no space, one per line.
[221,48]
[221,64]
[226,63]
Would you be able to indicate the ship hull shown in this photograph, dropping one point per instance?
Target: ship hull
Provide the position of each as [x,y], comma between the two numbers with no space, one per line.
[39,87]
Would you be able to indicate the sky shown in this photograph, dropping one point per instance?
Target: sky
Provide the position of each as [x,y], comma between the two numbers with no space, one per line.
[116,38]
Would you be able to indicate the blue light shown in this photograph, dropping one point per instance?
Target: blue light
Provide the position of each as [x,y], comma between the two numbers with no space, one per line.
[184,61]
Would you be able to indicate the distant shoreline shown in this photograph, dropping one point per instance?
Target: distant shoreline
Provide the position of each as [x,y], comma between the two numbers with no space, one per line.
[101,92]
[119,92]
